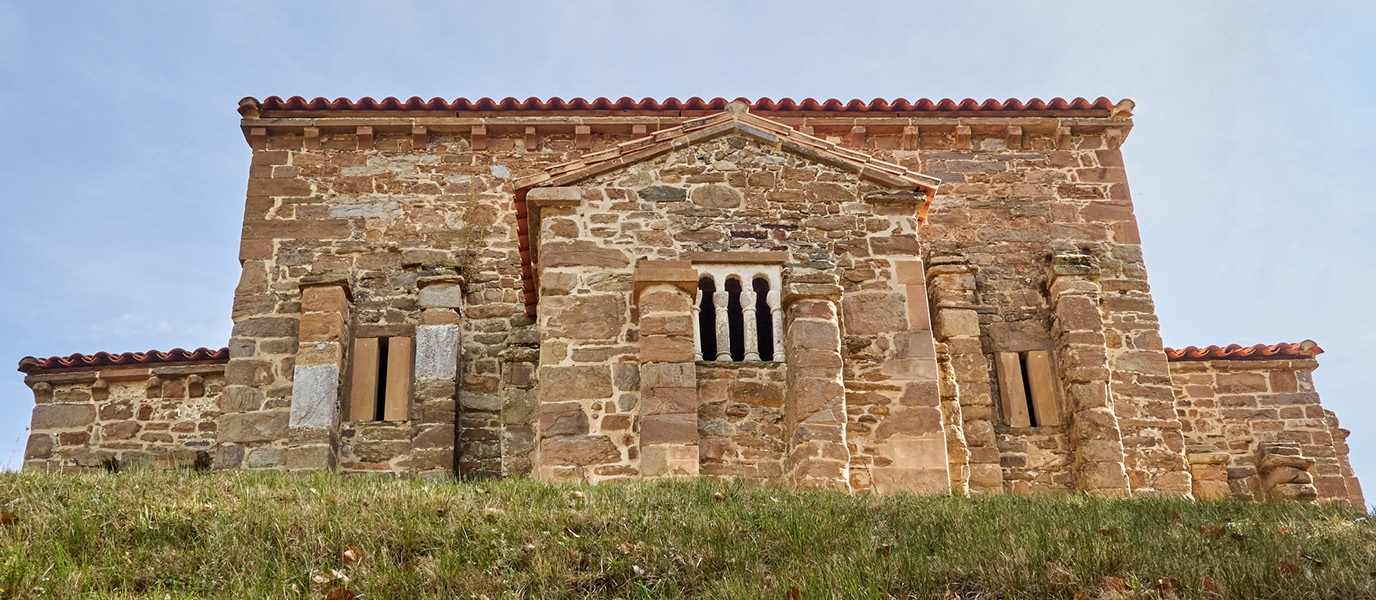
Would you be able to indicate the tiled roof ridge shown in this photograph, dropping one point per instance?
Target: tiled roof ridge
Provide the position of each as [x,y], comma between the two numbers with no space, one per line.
[249,106]
[1305,349]
[102,359]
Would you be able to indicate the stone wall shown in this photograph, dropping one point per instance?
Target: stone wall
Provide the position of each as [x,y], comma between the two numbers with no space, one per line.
[1241,409]
[160,417]
[721,201]
[1011,198]
[571,357]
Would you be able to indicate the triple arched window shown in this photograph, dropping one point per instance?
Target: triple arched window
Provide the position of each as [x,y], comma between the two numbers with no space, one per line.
[738,315]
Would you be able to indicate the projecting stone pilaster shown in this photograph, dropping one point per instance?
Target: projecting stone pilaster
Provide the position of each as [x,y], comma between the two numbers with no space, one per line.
[668,380]
[815,403]
[313,426]
[1078,329]
[436,441]
[909,444]
[951,288]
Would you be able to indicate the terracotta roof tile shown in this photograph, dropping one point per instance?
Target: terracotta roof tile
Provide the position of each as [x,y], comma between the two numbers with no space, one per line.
[1305,349]
[30,364]
[251,106]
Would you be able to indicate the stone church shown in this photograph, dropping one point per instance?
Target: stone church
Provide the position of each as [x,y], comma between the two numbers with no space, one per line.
[894,296]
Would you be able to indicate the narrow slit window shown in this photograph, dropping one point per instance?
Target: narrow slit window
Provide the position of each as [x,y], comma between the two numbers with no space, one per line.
[735,319]
[764,322]
[381,384]
[1027,389]
[707,318]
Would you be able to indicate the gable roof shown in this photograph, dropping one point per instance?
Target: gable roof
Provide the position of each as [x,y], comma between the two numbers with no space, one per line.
[736,119]
[252,108]
[29,364]
[1305,349]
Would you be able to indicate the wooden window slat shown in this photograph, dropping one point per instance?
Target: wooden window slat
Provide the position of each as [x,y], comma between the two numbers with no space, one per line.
[397,406]
[1041,379]
[363,390]
[1012,395]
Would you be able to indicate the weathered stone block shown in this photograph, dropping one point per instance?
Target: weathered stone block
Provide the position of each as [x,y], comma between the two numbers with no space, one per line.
[259,426]
[578,450]
[562,418]
[585,317]
[581,253]
[669,428]
[666,349]
[872,313]
[315,396]
[658,401]
[62,416]
[575,383]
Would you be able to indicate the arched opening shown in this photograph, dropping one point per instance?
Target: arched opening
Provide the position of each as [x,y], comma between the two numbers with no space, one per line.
[707,318]
[735,319]
[764,323]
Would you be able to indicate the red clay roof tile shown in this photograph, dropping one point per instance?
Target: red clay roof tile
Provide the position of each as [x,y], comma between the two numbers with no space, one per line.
[250,106]
[1305,349]
[30,364]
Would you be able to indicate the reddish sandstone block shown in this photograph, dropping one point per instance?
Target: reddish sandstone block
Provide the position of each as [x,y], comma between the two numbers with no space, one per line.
[666,349]
[669,429]
[659,401]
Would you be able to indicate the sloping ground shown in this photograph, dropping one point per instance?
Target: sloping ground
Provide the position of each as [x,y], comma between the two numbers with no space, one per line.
[235,535]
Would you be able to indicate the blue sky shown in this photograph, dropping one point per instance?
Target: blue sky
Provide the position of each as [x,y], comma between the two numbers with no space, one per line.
[124,168]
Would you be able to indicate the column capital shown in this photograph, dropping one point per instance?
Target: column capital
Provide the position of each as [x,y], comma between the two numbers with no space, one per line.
[328,279]
[677,273]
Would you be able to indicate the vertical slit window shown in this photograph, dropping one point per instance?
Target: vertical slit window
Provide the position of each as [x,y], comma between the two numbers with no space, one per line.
[1027,389]
[764,322]
[1027,386]
[380,406]
[707,317]
[735,319]
[380,387]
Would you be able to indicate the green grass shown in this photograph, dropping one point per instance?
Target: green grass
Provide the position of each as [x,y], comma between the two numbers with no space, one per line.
[242,535]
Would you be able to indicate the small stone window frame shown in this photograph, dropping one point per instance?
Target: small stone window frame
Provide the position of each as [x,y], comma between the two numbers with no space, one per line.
[1027,389]
[738,315]
[381,383]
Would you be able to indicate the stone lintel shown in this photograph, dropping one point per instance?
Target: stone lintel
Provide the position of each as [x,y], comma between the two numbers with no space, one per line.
[555,196]
[388,330]
[736,258]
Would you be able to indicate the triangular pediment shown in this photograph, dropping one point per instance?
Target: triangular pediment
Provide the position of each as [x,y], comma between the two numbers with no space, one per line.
[736,119]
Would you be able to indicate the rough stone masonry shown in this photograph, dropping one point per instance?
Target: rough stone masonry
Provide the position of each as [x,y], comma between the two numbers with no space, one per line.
[930,297]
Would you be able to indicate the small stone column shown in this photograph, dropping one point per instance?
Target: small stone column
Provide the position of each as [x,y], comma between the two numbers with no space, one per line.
[435,436]
[1082,362]
[951,289]
[665,291]
[815,402]
[313,425]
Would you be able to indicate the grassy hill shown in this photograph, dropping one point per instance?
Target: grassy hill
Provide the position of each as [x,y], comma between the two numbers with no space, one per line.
[240,535]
